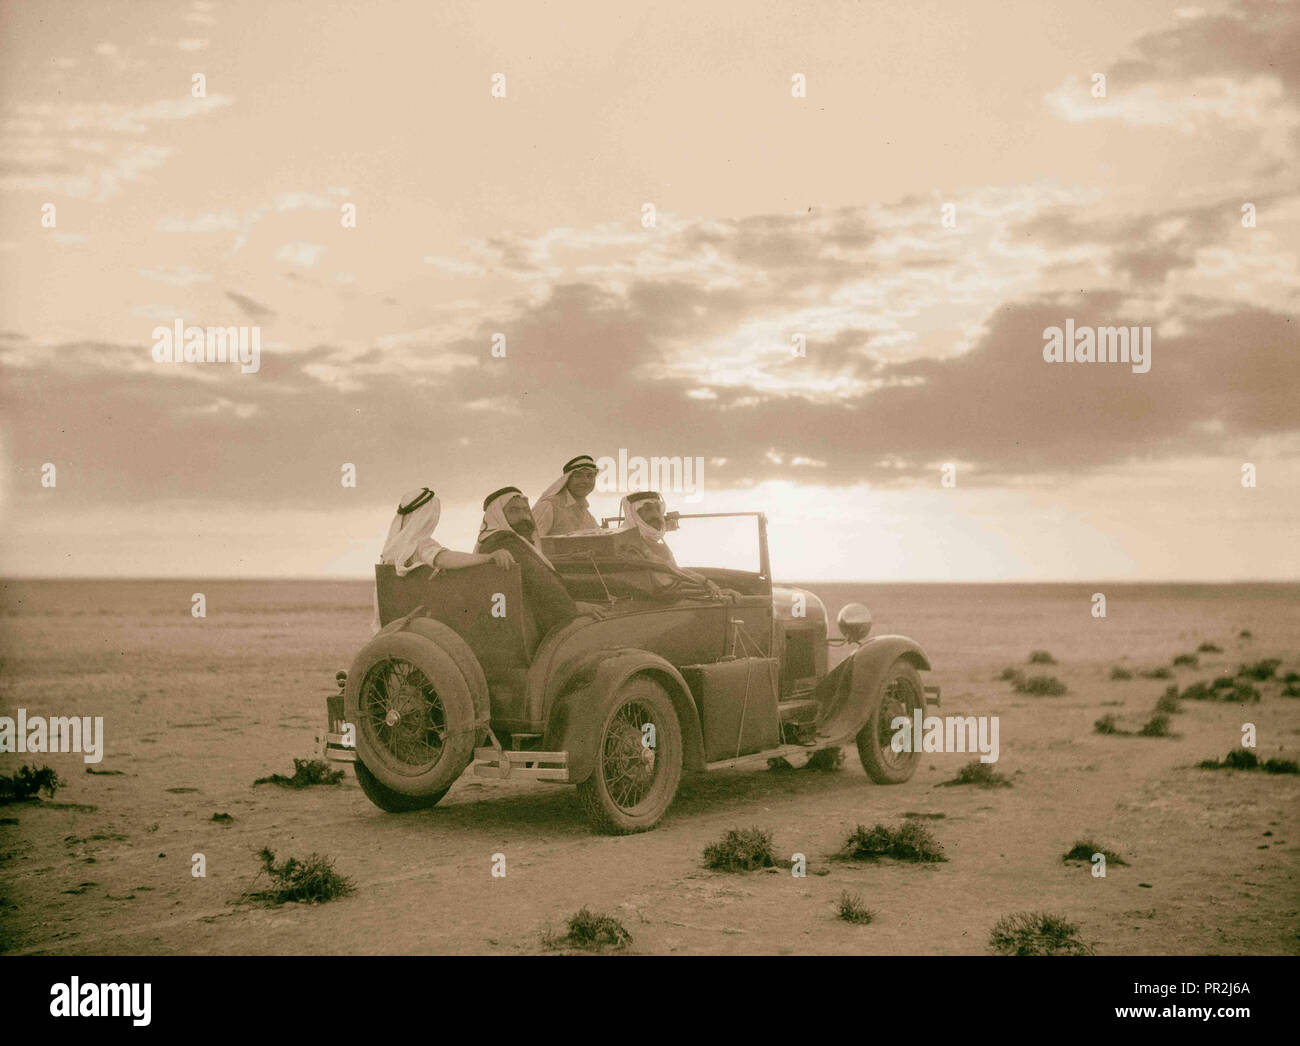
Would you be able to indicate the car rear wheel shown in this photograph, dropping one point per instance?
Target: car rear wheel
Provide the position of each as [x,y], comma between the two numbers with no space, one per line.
[414,717]
[901,694]
[637,770]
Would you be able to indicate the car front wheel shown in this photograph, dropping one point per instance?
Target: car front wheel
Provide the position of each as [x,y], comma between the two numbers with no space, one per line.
[901,694]
[639,761]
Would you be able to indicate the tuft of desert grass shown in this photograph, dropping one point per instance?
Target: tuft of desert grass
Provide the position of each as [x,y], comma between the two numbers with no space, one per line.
[1120,673]
[1242,692]
[1156,726]
[1209,648]
[1041,657]
[1168,701]
[1260,671]
[1011,675]
[1245,759]
[1241,759]
[1107,724]
[742,850]
[1245,633]
[590,931]
[26,782]
[851,909]
[911,841]
[1037,933]
[1040,686]
[306,772]
[1085,848]
[1197,692]
[1191,660]
[1237,759]
[1157,673]
[312,881]
[982,775]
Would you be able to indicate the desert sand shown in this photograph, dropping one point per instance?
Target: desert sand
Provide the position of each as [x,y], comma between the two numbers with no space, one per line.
[195,710]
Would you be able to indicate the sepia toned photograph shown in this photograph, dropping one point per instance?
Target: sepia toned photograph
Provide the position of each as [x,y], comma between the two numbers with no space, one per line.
[718,479]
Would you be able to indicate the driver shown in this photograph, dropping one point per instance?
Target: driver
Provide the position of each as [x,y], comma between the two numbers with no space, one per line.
[508,527]
[645,512]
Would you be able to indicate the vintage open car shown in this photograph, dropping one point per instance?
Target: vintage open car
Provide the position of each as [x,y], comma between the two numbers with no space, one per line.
[678,676]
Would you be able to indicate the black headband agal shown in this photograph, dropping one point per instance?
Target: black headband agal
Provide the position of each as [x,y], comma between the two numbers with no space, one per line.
[424,497]
[582,461]
[497,493]
[644,495]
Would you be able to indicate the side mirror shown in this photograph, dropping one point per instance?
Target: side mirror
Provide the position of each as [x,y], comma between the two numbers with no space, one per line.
[854,622]
[672,520]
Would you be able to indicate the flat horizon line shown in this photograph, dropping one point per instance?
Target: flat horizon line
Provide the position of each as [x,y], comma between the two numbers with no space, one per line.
[783,581]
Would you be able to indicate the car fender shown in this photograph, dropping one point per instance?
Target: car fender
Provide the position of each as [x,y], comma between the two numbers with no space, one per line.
[578,711]
[870,665]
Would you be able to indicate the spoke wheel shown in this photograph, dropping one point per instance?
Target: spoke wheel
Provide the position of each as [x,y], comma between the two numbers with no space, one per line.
[638,763]
[414,716]
[402,714]
[628,763]
[901,694]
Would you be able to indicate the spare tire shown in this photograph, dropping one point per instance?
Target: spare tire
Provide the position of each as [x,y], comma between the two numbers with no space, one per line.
[414,716]
[388,800]
[450,642]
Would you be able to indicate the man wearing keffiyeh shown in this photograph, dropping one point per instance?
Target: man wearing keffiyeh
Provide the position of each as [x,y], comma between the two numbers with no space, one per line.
[508,526]
[562,508]
[645,513]
[410,542]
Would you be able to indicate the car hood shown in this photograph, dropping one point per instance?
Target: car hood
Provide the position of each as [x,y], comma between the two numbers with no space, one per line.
[798,606]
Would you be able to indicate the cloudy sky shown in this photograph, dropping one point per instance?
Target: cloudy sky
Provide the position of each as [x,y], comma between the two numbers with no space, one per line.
[774,216]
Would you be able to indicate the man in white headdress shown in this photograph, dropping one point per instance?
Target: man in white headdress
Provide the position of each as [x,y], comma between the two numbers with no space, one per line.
[508,526]
[562,508]
[646,513]
[411,544]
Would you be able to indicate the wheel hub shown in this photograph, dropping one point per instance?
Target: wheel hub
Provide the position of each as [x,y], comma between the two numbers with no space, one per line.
[402,715]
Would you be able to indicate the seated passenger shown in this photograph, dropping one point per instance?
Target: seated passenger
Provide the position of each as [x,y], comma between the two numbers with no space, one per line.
[410,542]
[508,527]
[644,512]
[562,508]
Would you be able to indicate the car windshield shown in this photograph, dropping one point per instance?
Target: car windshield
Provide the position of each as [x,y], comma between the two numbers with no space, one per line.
[714,541]
[729,542]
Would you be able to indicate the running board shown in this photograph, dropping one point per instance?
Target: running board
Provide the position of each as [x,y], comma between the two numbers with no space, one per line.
[743,762]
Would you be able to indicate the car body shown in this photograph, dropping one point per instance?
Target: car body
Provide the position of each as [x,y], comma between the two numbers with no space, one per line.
[674,678]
